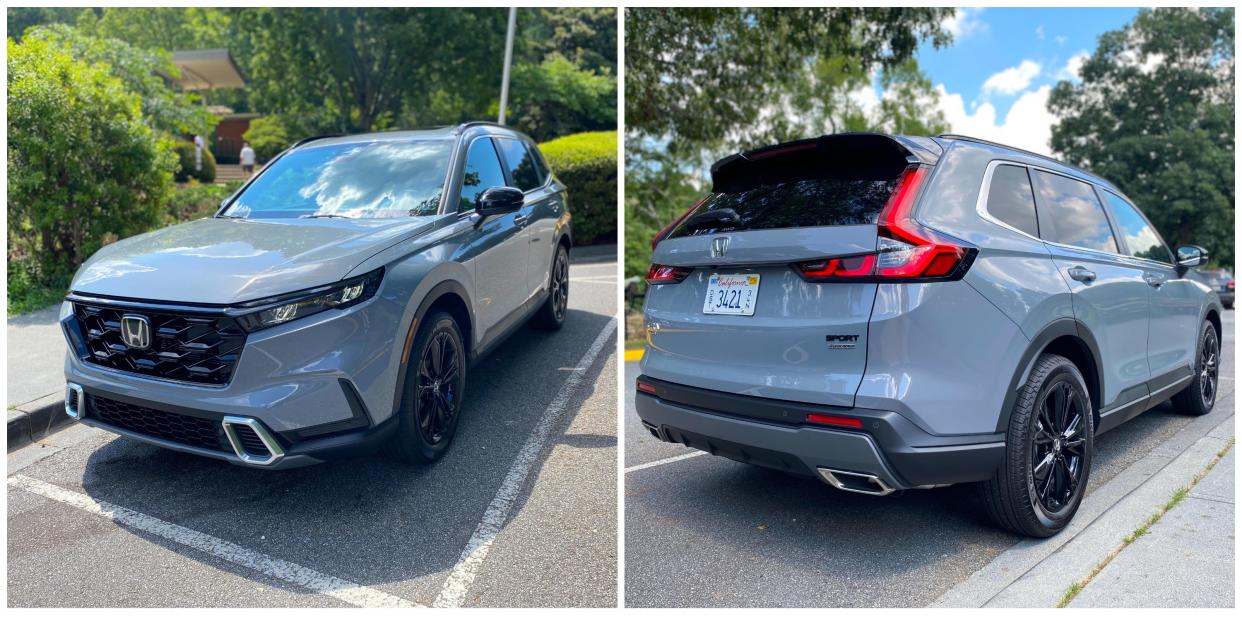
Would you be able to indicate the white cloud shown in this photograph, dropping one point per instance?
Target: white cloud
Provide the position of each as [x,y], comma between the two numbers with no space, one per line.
[1061,39]
[1028,125]
[1039,32]
[1073,67]
[1013,79]
[964,23]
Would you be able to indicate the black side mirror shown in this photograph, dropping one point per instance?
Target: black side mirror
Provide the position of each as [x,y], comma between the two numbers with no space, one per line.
[499,200]
[1189,256]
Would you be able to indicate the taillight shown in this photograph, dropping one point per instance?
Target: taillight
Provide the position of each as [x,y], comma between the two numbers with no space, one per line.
[1230,285]
[905,249]
[664,231]
[666,274]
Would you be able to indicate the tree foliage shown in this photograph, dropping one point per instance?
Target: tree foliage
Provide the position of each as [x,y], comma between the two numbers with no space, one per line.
[556,98]
[1154,114]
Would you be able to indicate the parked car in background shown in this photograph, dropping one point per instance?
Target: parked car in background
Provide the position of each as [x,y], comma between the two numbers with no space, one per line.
[332,305]
[1222,281]
[894,312]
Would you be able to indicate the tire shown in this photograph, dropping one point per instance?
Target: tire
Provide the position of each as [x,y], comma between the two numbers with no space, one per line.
[1198,398]
[1017,497]
[432,394]
[551,316]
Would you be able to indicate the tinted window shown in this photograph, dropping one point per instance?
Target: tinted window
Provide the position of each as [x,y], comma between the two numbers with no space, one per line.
[810,202]
[1072,212]
[382,179]
[1141,239]
[525,174]
[483,171]
[1010,199]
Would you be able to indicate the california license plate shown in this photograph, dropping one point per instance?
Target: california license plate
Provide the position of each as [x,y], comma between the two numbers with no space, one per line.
[731,294]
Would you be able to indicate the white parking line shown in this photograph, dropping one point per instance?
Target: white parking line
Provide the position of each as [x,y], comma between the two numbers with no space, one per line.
[598,280]
[459,580]
[272,567]
[661,462]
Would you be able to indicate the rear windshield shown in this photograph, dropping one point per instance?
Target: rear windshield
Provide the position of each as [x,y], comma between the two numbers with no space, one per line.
[382,179]
[804,203]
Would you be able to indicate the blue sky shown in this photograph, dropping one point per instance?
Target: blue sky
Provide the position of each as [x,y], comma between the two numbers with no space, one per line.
[1004,60]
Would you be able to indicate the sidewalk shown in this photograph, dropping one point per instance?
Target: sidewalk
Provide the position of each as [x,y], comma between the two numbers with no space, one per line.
[1184,560]
[36,380]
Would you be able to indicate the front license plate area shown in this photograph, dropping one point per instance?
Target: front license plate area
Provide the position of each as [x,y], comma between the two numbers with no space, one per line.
[731,294]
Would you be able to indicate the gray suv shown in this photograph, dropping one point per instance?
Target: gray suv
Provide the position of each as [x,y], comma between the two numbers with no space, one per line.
[331,306]
[893,312]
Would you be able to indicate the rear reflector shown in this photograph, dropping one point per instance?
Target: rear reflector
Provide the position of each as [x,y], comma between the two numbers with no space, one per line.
[648,388]
[905,249]
[829,419]
[666,274]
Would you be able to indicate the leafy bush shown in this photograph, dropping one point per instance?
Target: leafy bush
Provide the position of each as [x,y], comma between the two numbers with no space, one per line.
[268,136]
[83,165]
[195,201]
[185,154]
[587,164]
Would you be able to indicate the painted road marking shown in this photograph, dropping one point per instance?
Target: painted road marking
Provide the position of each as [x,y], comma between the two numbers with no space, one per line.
[661,462]
[453,594]
[632,355]
[292,573]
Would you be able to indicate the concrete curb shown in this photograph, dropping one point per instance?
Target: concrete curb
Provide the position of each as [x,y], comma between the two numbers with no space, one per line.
[1036,573]
[32,421]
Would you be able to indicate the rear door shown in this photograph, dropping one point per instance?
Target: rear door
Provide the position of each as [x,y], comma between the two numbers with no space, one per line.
[543,206]
[1173,330]
[744,319]
[1110,294]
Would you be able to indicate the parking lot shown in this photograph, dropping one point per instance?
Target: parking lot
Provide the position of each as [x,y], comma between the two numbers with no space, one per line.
[521,512]
[707,531]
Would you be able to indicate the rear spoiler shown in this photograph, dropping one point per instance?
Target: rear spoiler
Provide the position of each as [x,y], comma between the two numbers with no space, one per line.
[855,155]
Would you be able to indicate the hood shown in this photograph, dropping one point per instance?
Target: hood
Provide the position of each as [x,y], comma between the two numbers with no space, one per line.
[226,261]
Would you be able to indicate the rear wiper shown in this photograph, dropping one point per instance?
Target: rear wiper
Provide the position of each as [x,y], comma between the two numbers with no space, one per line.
[701,220]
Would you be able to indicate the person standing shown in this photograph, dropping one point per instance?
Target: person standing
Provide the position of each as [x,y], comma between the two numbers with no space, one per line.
[247,159]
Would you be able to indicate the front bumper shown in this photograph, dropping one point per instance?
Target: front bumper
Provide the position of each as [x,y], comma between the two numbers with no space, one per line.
[321,387]
[773,434]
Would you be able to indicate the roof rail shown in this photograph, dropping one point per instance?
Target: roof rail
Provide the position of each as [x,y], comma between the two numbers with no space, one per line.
[477,123]
[1031,153]
[311,138]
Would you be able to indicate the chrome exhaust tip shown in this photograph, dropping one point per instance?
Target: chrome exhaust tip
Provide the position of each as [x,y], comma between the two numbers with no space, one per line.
[251,441]
[857,482]
[73,401]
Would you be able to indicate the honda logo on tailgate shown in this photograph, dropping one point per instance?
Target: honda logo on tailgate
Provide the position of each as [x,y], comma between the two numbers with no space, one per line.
[136,331]
[720,245]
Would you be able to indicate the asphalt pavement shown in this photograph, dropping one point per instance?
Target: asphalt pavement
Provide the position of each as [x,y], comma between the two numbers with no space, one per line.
[709,532]
[521,512]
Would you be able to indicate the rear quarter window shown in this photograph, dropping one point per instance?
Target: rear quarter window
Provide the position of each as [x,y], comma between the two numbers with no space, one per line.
[1010,199]
[792,204]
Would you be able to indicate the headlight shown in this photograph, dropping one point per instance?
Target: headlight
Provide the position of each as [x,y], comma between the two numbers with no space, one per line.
[276,311]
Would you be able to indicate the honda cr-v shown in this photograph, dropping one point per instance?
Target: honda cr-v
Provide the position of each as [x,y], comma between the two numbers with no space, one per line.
[890,312]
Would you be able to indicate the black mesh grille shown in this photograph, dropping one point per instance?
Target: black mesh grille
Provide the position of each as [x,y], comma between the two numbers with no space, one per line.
[200,348]
[250,441]
[179,428]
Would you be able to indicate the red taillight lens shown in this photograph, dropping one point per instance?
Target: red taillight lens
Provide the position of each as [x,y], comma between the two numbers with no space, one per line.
[905,250]
[829,419]
[666,274]
[664,231]
[1230,285]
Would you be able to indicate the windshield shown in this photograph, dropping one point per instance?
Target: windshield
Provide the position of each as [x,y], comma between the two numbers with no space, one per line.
[382,179]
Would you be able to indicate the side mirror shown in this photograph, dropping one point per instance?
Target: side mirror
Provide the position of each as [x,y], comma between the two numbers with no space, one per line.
[499,200]
[1189,256]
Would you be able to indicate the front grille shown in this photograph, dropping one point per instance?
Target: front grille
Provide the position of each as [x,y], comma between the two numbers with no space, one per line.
[189,347]
[179,428]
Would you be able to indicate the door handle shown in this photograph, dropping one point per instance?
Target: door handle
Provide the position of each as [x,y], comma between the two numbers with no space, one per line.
[520,219]
[1154,280]
[1081,274]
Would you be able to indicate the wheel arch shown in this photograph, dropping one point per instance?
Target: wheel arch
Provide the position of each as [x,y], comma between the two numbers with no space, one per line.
[1065,337]
[450,296]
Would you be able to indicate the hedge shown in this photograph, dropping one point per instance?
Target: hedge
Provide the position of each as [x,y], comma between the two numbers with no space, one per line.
[587,164]
[185,153]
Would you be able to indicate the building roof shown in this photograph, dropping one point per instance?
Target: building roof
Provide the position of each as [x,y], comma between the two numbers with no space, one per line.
[205,69]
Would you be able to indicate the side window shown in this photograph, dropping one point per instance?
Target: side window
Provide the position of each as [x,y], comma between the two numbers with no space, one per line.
[1142,241]
[1075,214]
[541,167]
[1010,199]
[521,164]
[483,171]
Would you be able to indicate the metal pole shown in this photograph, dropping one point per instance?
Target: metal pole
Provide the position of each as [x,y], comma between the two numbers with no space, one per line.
[504,83]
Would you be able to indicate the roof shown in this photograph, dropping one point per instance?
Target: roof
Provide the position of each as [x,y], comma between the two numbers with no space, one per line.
[205,69]
[433,133]
[1050,162]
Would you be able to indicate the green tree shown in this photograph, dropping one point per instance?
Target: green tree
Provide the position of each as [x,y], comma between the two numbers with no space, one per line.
[83,165]
[557,98]
[584,35]
[21,18]
[163,28]
[1154,113]
[140,70]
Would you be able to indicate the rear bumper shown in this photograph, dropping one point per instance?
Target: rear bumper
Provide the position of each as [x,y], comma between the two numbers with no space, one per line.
[773,434]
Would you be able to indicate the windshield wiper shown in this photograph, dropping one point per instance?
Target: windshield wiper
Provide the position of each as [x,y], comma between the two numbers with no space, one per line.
[324,215]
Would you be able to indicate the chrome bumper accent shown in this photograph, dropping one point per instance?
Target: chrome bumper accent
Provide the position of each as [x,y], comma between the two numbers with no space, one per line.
[74,400]
[275,452]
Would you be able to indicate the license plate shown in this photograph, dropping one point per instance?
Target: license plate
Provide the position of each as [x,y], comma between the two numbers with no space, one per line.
[731,294]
